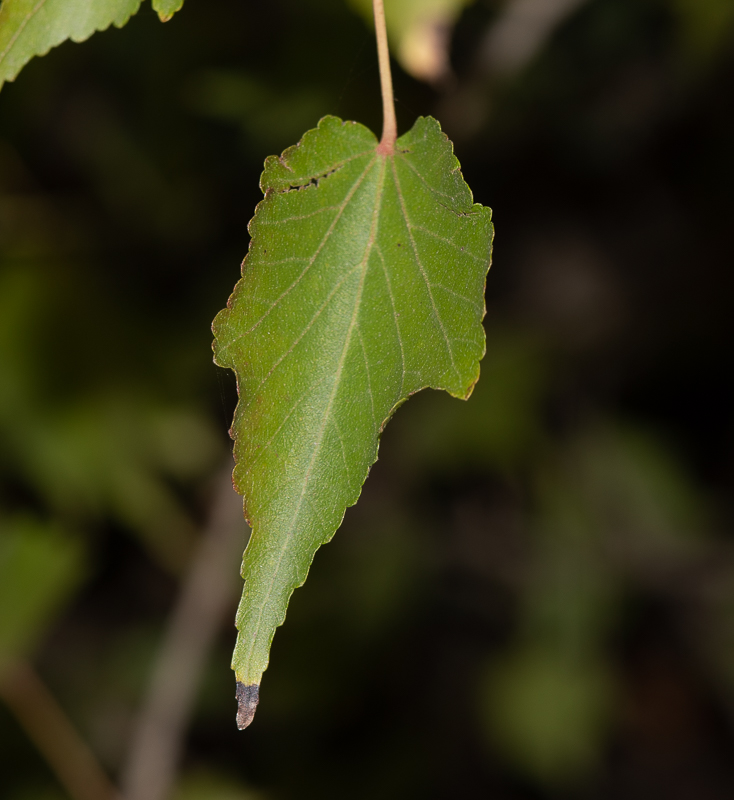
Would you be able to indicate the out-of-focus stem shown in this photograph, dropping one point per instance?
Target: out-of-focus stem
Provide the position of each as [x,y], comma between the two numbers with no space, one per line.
[389,123]
[208,591]
[51,731]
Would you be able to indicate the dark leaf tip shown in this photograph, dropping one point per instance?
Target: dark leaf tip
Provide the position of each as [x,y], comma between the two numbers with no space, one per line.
[247,699]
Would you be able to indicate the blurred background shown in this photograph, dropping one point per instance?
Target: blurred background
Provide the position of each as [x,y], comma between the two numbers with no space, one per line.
[534,597]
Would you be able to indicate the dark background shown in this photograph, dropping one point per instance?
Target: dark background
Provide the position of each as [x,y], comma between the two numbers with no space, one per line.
[534,597]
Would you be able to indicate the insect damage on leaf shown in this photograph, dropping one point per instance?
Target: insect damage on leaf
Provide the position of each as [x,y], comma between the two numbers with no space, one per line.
[359,289]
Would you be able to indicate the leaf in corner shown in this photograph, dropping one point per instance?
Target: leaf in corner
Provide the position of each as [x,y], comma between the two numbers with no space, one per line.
[364,283]
[31,28]
[166,8]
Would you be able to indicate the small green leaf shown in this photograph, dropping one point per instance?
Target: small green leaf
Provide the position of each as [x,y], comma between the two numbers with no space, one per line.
[32,27]
[167,8]
[364,283]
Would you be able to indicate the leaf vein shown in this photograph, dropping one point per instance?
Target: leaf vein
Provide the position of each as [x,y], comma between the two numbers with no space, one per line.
[343,448]
[297,217]
[313,258]
[306,329]
[327,412]
[279,261]
[422,269]
[425,182]
[458,295]
[321,175]
[449,242]
[32,13]
[280,427]
[369,380]
[394,316]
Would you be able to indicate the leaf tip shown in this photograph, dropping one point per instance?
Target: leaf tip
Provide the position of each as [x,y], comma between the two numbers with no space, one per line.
[247,700]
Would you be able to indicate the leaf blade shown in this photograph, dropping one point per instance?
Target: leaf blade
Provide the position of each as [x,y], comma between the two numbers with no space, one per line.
[346,306]
[166,8]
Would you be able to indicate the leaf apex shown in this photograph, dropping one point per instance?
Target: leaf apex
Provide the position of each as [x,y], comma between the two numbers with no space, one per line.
[167,8]
[247,700]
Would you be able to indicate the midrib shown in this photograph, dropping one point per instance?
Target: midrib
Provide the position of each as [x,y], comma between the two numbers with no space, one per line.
[288,537]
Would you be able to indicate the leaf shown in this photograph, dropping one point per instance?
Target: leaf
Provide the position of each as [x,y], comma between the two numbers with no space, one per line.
[167,8]
[32,27]
[364,283]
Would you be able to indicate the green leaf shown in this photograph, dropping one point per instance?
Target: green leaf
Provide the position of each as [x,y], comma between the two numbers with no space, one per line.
[364,283]
[32,27]
[167,8]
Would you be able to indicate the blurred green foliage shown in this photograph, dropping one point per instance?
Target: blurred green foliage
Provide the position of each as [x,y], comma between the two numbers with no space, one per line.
[207,786]
[40,568]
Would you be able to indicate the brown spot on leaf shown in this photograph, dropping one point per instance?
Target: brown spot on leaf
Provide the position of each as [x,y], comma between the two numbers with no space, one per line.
[247,699]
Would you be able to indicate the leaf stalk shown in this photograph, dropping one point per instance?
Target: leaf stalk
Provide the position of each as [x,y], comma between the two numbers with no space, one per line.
[389,123]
